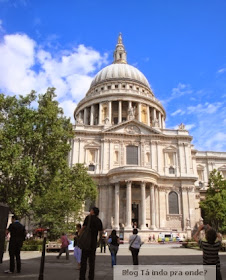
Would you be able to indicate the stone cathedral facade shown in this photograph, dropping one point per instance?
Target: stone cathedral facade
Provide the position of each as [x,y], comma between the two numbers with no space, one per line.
[147,175]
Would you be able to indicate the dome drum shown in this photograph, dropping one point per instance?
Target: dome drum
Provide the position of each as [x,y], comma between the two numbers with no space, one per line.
[117,111]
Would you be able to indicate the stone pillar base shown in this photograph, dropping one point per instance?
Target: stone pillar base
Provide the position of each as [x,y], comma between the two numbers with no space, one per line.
[116,227]
[143,227]
[128,228]
[152,227]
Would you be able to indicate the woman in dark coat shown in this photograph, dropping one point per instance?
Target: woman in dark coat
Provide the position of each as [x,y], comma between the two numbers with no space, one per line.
[113,242]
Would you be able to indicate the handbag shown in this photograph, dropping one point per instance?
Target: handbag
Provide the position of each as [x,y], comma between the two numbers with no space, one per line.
[130,246]
[84,239]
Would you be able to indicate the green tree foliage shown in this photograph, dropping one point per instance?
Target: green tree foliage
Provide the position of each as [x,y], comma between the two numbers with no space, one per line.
[62,202]
[34,147]
[214,206]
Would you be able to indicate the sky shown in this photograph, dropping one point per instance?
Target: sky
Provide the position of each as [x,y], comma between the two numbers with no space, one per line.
[180,46]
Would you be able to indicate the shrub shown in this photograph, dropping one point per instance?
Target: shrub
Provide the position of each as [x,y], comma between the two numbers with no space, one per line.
[32,245]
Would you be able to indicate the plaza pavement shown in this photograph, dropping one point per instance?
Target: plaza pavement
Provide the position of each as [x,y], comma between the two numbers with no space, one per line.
[61,269]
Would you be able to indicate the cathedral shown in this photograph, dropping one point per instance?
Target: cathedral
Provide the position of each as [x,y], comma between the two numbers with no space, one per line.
[147,176]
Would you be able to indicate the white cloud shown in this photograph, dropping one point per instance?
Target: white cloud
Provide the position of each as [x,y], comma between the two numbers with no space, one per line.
[221,71]
[68,107]
[189,126]
[180,90]
[26,66]
[178,112]
[217,141]
[205,108]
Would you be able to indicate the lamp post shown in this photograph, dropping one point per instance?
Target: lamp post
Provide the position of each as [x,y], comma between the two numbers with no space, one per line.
[41,271]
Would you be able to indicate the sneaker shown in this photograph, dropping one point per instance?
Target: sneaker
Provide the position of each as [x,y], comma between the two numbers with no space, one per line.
[8,271]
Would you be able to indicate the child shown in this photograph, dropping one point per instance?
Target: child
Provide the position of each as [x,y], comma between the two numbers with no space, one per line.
[210,247]
[77,250]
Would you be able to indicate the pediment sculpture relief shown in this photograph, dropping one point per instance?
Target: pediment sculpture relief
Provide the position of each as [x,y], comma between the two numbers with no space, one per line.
[132,129]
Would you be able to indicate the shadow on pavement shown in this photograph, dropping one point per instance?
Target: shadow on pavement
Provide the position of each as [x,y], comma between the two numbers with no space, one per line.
[61,269]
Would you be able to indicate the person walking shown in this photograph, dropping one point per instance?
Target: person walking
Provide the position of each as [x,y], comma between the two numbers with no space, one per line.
[96,226]
[77,250]
[103,241]
[113,242]
[17,236]
[135,244]
[64,246]
[210,248]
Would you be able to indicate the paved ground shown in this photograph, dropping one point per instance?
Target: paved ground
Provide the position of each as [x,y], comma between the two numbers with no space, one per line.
[150,254]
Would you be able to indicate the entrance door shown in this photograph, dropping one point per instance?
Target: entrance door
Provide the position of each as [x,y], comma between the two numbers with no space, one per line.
[135,214]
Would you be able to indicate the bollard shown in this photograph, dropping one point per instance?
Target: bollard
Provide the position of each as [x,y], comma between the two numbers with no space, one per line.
[41,271]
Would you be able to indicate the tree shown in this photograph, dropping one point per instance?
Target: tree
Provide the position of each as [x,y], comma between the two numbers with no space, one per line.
[34,147]
[214,206]
[68,192]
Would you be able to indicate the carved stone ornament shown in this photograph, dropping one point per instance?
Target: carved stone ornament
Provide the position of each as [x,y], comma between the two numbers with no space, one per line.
[79,120]
[131,113]
[155,123]
[181,126]
[132,129]
[106,121]
[171,217]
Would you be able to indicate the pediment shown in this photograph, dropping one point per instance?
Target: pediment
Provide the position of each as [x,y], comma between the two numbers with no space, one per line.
[92,144]
[132,127]
[170,149]
[200,167]
[222,168]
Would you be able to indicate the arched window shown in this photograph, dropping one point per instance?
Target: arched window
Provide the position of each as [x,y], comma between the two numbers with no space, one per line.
[173,203]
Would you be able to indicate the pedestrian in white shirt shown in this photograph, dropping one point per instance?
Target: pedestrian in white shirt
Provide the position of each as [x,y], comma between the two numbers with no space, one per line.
[135,244]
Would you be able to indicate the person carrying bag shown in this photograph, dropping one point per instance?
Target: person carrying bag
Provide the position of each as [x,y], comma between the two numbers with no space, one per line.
[135,243]
[84,238]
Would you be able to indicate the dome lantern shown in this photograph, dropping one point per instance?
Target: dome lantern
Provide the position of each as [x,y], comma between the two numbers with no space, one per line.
[120,53]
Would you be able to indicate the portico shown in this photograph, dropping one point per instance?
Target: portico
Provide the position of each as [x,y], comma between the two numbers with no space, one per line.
[139,194]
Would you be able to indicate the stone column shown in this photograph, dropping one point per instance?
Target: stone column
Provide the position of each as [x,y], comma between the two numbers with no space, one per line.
[80,115]
[109,112]
[163,123]
[92,115]
[152,195]
[139,112]
[100,114]
[153,113]
[85,116]
[116,221]
[128,205]
[143,205]
[148,115]
[160,119]
[185,209]
[157,205]
[119,111]
[110,212]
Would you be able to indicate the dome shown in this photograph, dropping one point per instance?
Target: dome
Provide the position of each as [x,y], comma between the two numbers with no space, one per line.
[119,71]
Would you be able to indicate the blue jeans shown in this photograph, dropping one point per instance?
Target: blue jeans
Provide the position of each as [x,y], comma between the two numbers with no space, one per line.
[113,259]
[113,250]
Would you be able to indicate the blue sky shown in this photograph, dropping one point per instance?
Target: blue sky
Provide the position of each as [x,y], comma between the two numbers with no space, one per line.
[180,46]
